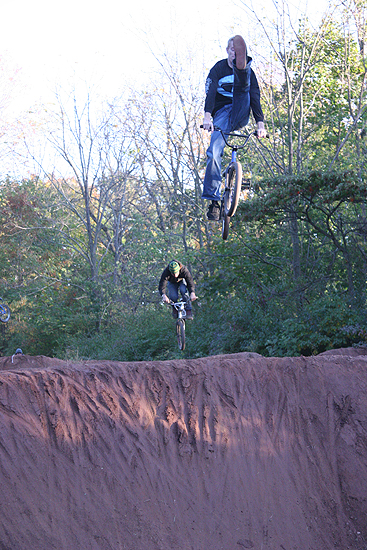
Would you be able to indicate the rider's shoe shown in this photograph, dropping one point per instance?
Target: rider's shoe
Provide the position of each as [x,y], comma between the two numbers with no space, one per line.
[213,211]
[239,46]
[189,314]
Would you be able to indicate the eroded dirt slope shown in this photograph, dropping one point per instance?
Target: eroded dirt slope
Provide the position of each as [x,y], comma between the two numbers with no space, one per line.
[229,452]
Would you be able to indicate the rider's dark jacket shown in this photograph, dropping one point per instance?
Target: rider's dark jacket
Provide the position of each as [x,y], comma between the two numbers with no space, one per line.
[184,274]
[219,89]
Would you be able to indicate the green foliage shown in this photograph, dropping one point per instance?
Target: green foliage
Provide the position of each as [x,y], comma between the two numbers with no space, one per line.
[146,335]
[220,326]
[317,190]
[328,324]
[250,300]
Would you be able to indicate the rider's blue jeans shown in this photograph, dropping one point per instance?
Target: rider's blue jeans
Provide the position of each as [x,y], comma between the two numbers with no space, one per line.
[174,288]
[229,118]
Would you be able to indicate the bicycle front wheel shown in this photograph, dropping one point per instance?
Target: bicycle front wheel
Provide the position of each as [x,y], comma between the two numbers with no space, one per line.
[233,188]
[180,329]
[4,313]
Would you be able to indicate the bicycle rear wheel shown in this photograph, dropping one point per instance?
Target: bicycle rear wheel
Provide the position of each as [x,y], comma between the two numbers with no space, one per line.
[4,313]
[180,330]
[233,186]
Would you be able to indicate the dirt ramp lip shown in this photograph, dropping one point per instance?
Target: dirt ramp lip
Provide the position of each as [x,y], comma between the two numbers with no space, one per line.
[347,352]
[225,452]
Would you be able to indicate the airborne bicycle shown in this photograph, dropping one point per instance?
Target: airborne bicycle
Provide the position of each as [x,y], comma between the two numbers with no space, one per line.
[232,178]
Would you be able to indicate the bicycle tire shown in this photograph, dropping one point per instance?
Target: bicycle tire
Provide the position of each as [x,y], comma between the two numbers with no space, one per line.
[233,185]
[4,313]
[180,330]
[225,227]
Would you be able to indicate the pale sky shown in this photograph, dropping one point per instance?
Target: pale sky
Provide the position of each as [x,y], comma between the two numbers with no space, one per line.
[108,43]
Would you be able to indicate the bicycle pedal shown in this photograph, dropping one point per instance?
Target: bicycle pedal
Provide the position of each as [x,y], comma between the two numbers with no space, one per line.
[246,179]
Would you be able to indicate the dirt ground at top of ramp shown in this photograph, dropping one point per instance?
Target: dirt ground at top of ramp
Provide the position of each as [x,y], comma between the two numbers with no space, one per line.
[227,452]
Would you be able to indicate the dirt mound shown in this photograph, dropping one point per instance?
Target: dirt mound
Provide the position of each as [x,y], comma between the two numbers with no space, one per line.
[229,452]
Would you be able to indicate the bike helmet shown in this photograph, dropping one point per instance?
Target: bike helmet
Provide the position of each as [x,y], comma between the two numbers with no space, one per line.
[174,267]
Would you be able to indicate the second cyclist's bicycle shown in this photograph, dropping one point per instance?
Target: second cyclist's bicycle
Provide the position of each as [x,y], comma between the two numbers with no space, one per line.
[180,307]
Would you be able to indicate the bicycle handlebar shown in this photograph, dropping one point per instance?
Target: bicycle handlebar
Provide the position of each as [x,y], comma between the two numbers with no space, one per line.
[234,134]
[177,305]
[246,137]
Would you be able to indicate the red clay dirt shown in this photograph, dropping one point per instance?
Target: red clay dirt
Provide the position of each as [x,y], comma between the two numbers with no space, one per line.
[229,452]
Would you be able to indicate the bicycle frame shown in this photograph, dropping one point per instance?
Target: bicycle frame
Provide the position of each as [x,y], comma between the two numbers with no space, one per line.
[234,147]
[232,178]
[180,308]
